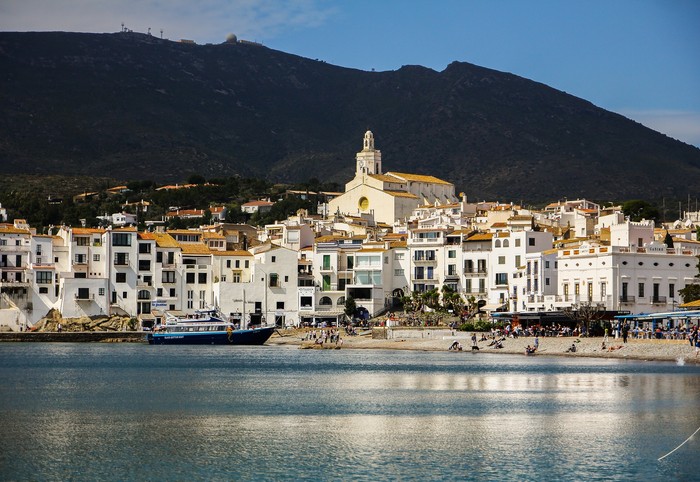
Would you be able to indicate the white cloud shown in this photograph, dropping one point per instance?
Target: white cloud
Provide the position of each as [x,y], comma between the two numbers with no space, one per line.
[681,125]
[199,20]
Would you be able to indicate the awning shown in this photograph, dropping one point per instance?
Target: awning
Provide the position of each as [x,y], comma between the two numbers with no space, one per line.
[492,307]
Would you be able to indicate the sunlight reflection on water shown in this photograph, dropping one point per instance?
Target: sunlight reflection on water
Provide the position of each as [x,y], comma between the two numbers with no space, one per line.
[134,412]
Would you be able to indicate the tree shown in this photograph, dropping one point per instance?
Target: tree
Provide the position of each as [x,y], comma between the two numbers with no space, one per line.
[451,300]
[196,179]
[638,209]
[587,314]
[350,306]
[690,293]
[668,240]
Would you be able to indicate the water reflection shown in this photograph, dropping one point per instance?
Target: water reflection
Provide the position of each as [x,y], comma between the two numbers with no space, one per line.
[134,413]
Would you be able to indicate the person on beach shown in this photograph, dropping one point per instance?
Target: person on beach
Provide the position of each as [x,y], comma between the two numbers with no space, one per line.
[59,328]
[473,340]
[537,343]
[625,332]
[605,337]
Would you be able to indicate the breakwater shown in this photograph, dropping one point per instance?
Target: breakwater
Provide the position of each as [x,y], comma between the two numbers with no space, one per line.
[75,336]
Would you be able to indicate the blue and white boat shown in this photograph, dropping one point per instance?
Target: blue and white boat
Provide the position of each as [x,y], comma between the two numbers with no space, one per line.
[206,327]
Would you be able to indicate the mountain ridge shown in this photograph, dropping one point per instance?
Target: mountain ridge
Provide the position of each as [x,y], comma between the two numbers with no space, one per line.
[134,106]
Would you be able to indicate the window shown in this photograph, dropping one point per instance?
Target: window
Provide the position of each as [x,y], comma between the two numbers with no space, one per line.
[641,290]
[121,239]
[274,280]
[43,290]
[79,259]
[246,263]
[530,241]
[468,285]
[501,260]
[95,257]
[306,302]
[451,269]
[590,291]
[326,280]
[81,241]
[124,294]
[546,281]
[159,257]
[120,277]
[201,278]
[326,261]
[236,277]
[501,278]
[517,242]
[144,265]
[398,272]
[517,261]
[506,244]
[419,270]
[44,277]
[143,295]
[189,278]
[672,290]
[121,259]
[603,290]
[172,292]
[577,288]
[159,292]
[398,256]
[482,285]
[546,265]
[202,300]
[83,294]
[624,290]
[168,277]
[238,263]
[144,248]
[273,259]
[280,305]
[286,279]
[452,254]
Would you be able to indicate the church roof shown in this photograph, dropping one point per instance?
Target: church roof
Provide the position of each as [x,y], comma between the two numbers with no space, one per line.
[418,178]
[385,178]
[402,194]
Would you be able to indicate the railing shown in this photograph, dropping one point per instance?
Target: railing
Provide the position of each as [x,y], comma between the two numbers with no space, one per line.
[475,271]
[658,300]
[627,299]
[89,296]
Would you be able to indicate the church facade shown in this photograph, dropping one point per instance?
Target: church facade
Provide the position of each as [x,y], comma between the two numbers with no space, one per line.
[387,196]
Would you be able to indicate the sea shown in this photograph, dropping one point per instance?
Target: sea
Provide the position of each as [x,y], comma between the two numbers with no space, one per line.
[131,411]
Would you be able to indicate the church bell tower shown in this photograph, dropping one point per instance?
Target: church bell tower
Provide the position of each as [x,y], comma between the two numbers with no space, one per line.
[369,159]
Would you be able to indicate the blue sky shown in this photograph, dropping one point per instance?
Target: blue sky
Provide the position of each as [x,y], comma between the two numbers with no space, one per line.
[640,58]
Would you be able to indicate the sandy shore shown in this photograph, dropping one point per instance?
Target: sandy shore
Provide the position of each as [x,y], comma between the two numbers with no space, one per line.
[660,350]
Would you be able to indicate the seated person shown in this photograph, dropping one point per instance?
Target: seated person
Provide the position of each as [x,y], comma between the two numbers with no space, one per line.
[571,349]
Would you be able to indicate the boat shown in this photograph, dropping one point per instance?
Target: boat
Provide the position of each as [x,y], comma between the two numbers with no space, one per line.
[206,327]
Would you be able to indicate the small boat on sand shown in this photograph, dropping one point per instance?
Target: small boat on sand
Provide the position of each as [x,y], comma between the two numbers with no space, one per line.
[206,327]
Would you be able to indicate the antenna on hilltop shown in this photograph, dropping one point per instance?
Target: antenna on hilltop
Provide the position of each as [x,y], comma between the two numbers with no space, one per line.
[122,26]
[149,30]
[161,33]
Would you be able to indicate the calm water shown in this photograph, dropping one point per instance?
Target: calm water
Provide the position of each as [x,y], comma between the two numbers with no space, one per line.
[140,412]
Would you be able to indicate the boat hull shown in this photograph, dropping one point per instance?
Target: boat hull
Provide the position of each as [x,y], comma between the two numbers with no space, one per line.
[257,336]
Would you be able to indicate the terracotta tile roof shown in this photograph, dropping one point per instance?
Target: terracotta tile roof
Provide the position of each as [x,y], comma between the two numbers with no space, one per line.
[418,178]
[129,229]
[210,235]
[398,244]
[164,240]
[257,203]
[385,178]
[194,248]
[480,237]
[401,194]
[84,231]
[237,252]
[371,250]
[12,230]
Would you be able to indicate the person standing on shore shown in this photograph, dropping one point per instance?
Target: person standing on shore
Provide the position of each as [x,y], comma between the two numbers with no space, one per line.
[59,328]
[537,343]
[605,338]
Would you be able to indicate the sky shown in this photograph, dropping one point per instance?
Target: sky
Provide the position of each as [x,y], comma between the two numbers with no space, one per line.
[639,58]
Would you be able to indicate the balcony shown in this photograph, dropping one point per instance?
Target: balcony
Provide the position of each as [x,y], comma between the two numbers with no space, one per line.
[84,296]
[425,261]
[658,300]
[475,271]
[627,299]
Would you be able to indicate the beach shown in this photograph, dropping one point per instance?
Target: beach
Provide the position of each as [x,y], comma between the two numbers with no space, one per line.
[440,340]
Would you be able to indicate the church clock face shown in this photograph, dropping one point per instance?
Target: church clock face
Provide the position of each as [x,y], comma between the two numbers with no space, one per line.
[363,204]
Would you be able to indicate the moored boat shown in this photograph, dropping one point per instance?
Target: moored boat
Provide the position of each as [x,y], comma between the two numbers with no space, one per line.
[206,327]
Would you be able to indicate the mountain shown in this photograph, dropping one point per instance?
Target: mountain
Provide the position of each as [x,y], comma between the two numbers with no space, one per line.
[133,106]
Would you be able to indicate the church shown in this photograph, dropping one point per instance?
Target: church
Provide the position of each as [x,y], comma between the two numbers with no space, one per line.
[387,196]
